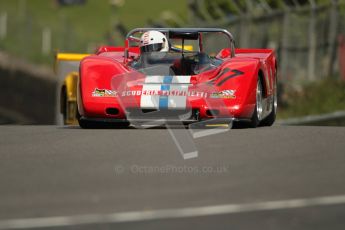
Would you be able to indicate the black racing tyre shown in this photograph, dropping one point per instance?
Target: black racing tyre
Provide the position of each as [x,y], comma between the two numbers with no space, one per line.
[258,110]
[270,119]
[87,124]
[63,104]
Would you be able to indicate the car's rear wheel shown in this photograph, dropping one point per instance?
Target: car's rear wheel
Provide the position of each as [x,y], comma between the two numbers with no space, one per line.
[258,110]
[270,119]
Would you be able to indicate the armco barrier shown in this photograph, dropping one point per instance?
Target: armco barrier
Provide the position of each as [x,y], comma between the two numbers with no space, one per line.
[27,90]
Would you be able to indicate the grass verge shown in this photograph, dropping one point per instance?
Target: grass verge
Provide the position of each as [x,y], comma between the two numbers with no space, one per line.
[314,98]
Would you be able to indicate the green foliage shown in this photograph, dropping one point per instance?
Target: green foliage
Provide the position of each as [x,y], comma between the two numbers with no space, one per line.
[75,28]
[315,98]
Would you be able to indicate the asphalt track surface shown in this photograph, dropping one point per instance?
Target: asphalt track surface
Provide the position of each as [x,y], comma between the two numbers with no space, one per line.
[281,177]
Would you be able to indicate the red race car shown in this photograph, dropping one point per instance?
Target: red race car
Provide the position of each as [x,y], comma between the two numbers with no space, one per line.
[171,75]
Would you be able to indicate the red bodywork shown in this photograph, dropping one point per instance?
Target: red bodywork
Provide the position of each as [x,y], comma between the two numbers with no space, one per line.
[105,71]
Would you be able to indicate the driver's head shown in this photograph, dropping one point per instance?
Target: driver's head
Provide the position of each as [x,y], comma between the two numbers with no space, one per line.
[153,41]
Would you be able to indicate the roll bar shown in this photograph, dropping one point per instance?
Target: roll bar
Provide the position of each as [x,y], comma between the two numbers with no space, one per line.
[130,37]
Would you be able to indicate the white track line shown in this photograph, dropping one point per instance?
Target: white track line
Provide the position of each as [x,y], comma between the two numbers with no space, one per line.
[168,213]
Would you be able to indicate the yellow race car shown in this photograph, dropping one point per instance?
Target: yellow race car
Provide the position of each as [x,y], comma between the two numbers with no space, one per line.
[67,70]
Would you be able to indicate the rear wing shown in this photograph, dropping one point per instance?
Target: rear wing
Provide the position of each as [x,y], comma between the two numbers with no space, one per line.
[65,63]
[70,56]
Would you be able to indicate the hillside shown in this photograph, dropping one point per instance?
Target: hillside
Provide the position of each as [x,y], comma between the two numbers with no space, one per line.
[74,28]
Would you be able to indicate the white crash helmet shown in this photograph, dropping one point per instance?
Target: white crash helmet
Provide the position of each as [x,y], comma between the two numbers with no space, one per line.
[153,41]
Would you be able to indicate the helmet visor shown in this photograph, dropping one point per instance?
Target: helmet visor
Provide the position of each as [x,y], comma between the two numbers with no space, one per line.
[152,48]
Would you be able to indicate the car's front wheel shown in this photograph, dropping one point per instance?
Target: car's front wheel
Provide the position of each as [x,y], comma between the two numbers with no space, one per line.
[89,124]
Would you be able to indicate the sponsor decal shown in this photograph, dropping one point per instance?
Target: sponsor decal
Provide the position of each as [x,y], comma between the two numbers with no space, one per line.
[165,92]
[178,93]
[225,94]
[112,93]
[104,93]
